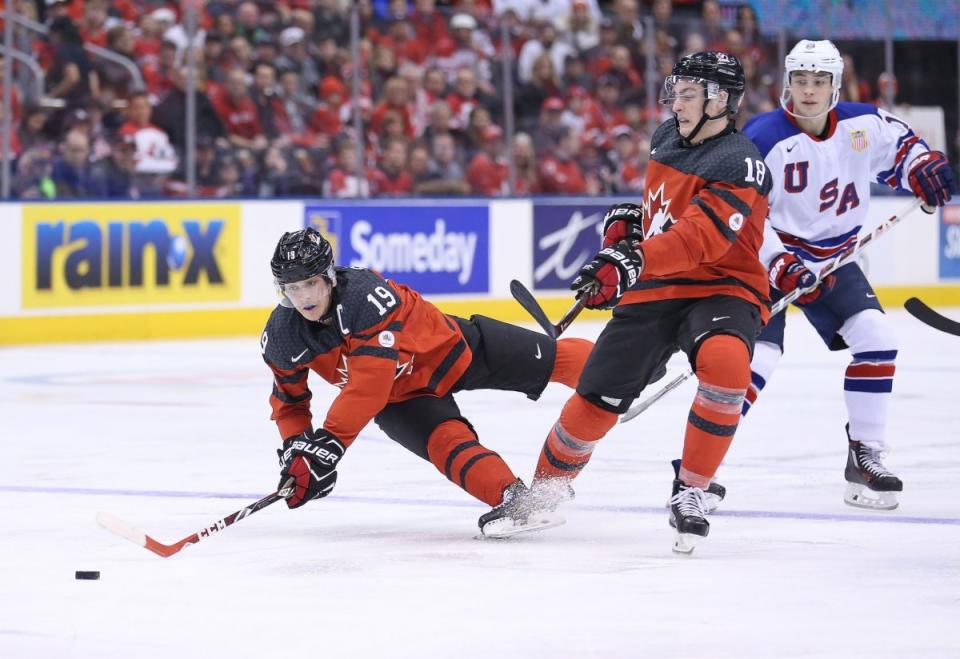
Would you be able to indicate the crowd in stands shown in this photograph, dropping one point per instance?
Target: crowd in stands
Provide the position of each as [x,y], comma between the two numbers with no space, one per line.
[277,108]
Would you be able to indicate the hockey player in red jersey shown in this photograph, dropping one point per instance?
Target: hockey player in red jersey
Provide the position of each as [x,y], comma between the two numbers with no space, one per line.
[398,361]
[680,273]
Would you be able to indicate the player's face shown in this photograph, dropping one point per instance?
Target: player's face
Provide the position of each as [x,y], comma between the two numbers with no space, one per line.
[811,92]
[311,297]
[687,105]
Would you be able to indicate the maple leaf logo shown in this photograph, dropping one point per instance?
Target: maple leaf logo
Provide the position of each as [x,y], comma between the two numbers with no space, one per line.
[657,210]
[344,373]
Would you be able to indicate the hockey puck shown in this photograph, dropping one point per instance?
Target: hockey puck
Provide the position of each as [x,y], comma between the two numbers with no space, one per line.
[89,576]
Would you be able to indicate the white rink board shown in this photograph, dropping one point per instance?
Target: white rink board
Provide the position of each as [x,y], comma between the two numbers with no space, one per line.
[908,256]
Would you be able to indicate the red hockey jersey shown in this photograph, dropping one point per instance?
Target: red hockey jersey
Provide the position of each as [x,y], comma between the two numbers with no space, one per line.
[704,209]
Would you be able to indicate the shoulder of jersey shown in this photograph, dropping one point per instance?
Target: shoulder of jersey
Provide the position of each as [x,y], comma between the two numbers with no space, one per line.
[769,129]
[849,110]
[282,334]
[355,286]
[664,132]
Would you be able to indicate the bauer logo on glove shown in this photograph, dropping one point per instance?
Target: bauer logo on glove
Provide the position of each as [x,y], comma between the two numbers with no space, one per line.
[303,447]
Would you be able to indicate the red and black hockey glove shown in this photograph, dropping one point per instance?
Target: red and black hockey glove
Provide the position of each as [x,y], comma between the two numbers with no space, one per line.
[931,178]
[603,281]
[787,273]
[623,221]
[311,460]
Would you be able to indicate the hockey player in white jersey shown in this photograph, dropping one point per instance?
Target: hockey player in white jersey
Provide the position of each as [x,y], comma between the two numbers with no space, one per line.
[822,156]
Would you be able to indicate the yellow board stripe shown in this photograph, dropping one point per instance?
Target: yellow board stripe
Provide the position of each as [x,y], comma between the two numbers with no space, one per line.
[17,330]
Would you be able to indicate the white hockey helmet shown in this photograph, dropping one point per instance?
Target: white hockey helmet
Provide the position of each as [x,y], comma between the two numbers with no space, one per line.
[813,56]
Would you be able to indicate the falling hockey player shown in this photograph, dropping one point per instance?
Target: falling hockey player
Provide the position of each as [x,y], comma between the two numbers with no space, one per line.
[682,273]
[822,156]
[398,360]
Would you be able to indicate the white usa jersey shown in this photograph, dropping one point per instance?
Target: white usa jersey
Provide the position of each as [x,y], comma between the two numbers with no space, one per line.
[821,187]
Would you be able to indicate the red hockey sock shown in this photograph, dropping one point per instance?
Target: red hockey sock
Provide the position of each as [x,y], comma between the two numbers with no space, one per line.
[571,356]
[572,439]
[454,449]
[723,368]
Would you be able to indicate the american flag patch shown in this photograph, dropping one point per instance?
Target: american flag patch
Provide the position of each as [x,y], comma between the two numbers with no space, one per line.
[858,140]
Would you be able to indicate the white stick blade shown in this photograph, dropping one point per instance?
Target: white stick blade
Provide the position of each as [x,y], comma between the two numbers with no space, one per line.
[118,526]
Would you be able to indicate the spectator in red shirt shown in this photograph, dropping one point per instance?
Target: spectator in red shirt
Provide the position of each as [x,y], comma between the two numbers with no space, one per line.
[598,58]
[429,24]
[239,114]
[560,173]
[270,111]
[609,112]
[621,66]
[487,173]
[465,96]
[392,178]
[155,154]
[629,173]
[402,40]
[158,73]
[94,25]
[326,121]
[343,182]
[396,98]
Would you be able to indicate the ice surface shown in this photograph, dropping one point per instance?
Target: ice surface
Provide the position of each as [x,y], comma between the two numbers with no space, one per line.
[173,436]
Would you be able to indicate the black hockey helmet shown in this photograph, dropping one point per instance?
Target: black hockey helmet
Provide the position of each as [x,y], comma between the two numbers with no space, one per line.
[301,255]
[714,70]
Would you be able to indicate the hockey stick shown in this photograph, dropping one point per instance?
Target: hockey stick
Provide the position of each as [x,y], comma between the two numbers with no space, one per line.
[919,310]
[522,295]
[785,301]
[121,528]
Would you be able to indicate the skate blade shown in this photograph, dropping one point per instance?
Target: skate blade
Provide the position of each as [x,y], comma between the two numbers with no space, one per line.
[507,528]
[860,496]
[685,543]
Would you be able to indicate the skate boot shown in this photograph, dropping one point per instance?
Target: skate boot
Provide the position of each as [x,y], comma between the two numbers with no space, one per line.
[688,515]
[713,494]
[869,483]
[519,512]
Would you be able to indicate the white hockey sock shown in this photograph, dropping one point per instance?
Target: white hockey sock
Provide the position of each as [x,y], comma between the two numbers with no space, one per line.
[868,380]
[765,358]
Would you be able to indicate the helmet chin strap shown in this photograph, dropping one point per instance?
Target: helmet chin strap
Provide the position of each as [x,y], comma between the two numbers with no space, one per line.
[704,118]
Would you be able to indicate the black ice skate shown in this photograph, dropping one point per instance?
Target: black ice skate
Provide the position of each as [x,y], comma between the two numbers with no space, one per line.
[869,483]
[519,512]
[688,515]
[713,494]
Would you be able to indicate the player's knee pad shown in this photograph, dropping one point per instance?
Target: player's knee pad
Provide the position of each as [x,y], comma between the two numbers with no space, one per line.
[723,360]
[584,419]
[869,331]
